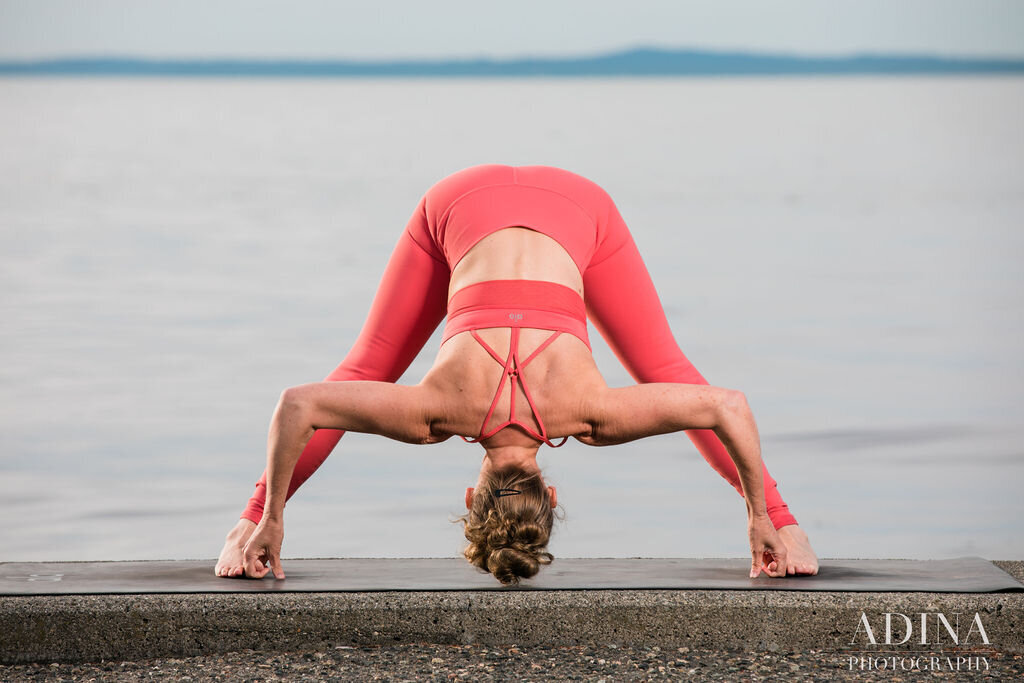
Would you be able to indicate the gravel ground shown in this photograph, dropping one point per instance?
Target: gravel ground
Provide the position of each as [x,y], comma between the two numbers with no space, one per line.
[423,662]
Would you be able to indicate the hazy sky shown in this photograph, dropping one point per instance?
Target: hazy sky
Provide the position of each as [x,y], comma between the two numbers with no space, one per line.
[439,28]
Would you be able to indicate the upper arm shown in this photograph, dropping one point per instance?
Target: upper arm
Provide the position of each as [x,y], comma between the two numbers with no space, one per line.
[403,413]
[628,413]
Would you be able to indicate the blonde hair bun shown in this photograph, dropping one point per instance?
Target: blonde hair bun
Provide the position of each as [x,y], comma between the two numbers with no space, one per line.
[508,534]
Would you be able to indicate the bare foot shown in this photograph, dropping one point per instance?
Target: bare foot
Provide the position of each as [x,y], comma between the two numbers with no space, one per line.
[800,557]
[230,562]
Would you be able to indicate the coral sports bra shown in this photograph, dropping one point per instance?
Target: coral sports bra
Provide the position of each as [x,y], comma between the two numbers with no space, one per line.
[515,304]
[512,371]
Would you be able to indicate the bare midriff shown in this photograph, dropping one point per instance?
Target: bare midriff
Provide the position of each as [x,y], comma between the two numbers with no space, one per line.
[516,253]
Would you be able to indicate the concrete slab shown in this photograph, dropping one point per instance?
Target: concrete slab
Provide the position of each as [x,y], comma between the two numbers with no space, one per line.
[133,626]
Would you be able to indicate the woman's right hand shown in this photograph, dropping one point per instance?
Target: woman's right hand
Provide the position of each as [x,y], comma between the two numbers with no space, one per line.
[263,550]
[768,552]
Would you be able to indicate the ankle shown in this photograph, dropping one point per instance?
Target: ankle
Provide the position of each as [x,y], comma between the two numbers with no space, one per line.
[241,531]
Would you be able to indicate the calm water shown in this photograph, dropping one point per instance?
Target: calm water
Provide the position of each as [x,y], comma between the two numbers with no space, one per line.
[846,251]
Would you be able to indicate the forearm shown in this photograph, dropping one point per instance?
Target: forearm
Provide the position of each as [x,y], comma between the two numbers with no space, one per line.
[290,431]
[397,412]
[738,433]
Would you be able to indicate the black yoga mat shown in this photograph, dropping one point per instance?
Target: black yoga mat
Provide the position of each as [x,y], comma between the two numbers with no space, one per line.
[960,575]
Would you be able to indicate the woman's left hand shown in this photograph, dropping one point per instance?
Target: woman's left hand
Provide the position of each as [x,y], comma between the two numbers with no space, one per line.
[767,550]
[263,551]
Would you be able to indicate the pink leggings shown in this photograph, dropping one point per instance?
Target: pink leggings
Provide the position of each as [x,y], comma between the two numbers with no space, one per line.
[621,302]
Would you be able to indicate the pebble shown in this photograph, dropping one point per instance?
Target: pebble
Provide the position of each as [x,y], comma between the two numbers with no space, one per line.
[413,662]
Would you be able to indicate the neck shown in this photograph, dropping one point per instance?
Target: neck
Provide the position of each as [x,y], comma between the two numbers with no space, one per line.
[522,457]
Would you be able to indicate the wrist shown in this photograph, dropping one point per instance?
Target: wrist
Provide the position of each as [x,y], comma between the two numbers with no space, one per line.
[758,515]
[272,517]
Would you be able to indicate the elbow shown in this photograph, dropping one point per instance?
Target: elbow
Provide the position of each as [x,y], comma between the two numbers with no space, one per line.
[294,408]
[732,405]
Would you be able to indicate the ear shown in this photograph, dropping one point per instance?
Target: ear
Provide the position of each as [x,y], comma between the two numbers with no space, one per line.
[553,495]
[469,498]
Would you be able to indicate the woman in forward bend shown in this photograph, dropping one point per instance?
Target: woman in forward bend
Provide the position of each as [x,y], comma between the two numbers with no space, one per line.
[518,258]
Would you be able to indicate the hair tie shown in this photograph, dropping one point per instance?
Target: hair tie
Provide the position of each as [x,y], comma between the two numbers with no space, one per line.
[500,493]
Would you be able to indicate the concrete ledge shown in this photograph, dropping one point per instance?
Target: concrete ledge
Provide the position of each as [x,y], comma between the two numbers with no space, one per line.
[74,628]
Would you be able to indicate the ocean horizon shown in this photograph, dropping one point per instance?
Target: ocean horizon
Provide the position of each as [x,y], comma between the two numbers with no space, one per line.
[630,63]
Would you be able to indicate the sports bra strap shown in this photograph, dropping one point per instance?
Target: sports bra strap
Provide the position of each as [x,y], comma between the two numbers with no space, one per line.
[512,368]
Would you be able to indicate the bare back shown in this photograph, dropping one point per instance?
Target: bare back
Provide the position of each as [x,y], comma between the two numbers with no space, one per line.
[516,254]
[559,379]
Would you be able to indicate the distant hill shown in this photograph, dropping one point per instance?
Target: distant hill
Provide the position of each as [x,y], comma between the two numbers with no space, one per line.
[635,62]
